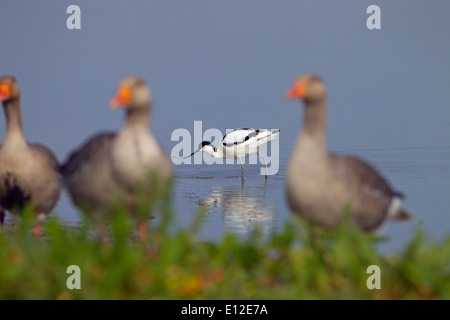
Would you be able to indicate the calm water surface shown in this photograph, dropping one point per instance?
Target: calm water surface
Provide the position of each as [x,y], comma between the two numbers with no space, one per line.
[239,205]
[421,172]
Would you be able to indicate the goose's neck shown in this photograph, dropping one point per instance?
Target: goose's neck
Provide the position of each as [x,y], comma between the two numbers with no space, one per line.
[138,118]
[314,121]
[14,131]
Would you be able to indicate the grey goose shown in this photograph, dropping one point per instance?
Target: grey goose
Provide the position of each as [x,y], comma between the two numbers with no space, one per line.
[28,171]
[119,166]
[321,186]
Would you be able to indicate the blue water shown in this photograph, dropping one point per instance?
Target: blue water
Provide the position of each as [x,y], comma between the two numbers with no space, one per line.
[239,205]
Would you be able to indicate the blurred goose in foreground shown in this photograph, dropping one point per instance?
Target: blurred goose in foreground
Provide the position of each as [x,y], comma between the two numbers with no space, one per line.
[120,166]
[28,172]
[239,144]
[321,186]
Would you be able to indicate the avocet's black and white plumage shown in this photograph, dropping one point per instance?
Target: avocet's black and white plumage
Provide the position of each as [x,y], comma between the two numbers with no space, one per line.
[238,144]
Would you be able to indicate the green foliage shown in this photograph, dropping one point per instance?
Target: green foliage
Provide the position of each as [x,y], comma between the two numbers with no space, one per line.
[296,262]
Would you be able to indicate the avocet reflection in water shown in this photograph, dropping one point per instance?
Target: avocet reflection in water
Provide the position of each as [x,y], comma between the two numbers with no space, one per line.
[241,208]
[232,204]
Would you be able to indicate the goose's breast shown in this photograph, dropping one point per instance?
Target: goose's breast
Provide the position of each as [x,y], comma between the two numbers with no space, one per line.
[133,156]
[24,177]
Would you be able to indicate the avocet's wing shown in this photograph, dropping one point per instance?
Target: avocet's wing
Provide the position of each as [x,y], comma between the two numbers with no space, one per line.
[264,134]
[239,136]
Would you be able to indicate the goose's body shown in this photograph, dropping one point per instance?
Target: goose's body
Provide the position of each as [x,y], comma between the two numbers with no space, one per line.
[320,187]
[28,172]
[239,144]
[119,165]
[87,173]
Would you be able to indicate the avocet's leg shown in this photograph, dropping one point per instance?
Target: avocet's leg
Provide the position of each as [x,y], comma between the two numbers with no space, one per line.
[242,165]
[265,164]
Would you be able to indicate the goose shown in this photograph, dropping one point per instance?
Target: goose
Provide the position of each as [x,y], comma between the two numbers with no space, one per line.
[112,166]
[321,186]
[239,144]
[28,171]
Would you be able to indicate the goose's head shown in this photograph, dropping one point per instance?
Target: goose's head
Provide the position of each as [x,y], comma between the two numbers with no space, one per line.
[132,93]
[308,87]
[9,88]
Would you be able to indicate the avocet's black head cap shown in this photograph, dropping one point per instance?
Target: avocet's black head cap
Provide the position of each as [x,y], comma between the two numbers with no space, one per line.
[206,143]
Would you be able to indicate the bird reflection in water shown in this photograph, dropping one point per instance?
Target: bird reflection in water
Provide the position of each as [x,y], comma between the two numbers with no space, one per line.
[243,209]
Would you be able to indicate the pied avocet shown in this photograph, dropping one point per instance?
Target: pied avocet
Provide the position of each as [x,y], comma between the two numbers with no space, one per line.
[239,144]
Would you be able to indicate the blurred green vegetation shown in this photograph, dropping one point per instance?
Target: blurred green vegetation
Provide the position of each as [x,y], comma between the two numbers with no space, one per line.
[295,262]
